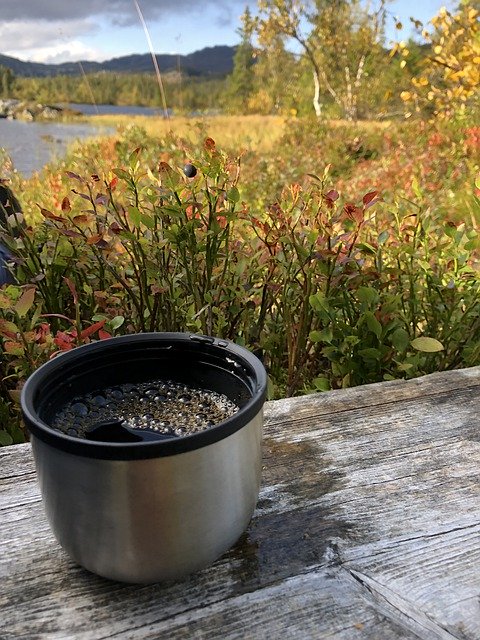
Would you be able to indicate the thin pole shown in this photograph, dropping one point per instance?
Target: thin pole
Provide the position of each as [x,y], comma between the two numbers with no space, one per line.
[154,59]
[88,86]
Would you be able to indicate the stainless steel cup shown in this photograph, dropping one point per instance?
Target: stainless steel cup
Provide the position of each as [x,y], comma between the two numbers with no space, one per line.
[149,511]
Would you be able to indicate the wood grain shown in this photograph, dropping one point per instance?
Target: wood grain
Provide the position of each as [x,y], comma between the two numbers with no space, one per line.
[367,527]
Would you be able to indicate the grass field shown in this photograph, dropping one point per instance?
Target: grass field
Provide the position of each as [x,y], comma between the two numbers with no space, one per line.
[260,133]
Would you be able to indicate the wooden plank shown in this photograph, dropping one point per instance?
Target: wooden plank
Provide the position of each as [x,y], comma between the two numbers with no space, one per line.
[346,484]
[382,393]
[429,578]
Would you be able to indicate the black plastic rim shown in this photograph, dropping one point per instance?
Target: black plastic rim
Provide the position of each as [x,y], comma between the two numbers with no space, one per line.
[253,372]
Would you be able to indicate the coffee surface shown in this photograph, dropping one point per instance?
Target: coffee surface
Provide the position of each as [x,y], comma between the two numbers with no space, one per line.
[166,407]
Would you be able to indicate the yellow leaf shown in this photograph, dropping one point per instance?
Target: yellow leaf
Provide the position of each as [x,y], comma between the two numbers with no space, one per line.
[406,96]
[402,64]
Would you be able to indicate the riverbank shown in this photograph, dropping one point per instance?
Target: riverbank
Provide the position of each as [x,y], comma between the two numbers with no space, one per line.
[12,109]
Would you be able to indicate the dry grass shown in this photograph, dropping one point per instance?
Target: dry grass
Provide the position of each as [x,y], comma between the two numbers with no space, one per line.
[245,132]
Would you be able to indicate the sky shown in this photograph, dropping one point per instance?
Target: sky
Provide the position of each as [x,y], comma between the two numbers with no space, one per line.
[57,31]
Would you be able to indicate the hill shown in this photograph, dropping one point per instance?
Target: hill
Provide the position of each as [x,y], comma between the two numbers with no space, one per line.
[207,62]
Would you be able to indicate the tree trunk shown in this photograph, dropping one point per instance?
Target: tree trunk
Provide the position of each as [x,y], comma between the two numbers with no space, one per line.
[316,96]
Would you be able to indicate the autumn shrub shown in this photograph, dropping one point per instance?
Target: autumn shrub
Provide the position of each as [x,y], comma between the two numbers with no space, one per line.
[329,288]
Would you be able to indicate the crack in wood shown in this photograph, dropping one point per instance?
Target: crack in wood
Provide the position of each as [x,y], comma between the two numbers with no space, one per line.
[400,610]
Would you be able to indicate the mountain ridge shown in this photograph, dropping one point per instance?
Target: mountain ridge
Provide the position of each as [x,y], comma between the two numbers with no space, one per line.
[206,62]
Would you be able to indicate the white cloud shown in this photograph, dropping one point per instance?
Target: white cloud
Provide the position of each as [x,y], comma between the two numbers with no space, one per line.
[20,35]
[54,54]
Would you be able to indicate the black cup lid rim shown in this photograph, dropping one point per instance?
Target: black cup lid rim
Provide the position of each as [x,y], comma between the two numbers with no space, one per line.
[151,449]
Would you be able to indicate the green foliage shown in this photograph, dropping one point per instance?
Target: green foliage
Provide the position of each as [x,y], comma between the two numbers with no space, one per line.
[183,93]
[6,81]
[240,81]
[340,41]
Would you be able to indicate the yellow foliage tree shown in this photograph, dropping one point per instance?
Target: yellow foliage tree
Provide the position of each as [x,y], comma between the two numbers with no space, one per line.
[449,85]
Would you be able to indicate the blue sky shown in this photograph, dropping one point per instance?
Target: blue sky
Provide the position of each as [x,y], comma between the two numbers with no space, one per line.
[58,30]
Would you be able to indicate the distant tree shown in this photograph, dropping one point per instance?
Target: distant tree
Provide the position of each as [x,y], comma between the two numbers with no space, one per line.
[448,83]
[241,81]
[7,79]
[276,80]
[338,38]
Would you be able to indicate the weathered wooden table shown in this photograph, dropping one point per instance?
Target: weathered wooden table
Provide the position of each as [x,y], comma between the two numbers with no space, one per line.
[367,526]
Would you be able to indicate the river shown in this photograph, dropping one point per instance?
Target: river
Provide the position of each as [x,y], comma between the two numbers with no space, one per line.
[31,145]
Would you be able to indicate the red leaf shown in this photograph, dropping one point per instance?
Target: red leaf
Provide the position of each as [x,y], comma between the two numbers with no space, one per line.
[332,195]
[92,329]
[64,340]
[85,196]
[66,205]
[75,176]
[113,183]
[368,197]
[104,335]
[72,288]
[115,227]
[101,199]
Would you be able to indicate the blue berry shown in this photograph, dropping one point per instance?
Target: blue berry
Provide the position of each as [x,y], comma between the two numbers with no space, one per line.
[190,170]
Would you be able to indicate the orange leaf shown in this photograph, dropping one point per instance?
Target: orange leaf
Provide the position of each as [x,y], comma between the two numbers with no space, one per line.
[8,329]
[209,144]
[14,348]
[92,329]
[25,302]
[94,239]
[81,219]
[50,216]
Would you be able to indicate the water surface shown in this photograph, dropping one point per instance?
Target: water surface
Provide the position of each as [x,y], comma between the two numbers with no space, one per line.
[31,145]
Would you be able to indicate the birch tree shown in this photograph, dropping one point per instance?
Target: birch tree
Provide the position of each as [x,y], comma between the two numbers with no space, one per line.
[340,39]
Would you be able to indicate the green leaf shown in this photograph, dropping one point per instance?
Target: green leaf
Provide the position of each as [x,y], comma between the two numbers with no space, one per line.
[5,438]
[383,237]
[321,384]
[366,248]
[319,302]
[370,354]
[427,345]
[321,336]
[400,339]
[233,194]
[367,295]
[116,323]
[148,221]
[416,188]
[17,435]
[121,173]
[373,324]
[135,216]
